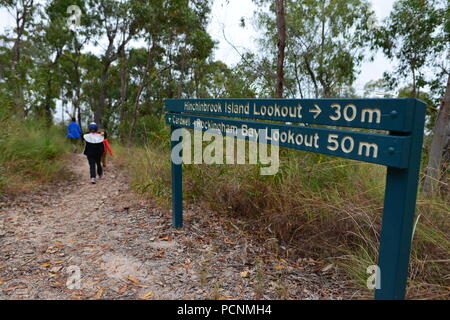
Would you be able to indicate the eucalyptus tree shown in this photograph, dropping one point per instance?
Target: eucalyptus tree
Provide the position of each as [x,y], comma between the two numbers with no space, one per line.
[17,45]
[50,39]
[71,62]
[417,33]
[414,35]
[326,42]
[114,23]
[176,44]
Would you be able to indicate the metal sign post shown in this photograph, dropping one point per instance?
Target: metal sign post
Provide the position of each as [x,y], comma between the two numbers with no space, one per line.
[399,150]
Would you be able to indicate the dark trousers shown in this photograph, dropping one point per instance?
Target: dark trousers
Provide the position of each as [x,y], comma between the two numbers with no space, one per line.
[93,162]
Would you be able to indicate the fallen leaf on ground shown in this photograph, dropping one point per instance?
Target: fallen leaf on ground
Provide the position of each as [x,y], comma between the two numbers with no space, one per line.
[99,293]
[92,283]
[187,265]
[244,274]
[147,296]
[123,289]
[15,288]
[227,298]
[134,280]
[160,254]
[76,296]
[328,267]
[165,238]
[55,269]
[279,267]
[228,241]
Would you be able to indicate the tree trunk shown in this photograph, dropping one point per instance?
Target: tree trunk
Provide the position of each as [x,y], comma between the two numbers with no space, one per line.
[98,114]
[22,18]
[123,90]
[139,92]
[48,110]
[313,78]
[440,135]
[281,27]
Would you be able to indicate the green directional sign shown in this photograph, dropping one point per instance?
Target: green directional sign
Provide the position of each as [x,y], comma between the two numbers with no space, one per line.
[375,148]
[380,114]
[395,141]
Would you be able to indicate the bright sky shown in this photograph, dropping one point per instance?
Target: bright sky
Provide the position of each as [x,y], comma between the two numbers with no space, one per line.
[226,16]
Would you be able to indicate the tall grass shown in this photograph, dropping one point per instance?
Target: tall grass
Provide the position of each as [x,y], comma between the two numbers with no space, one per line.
[321,207]
[30,153]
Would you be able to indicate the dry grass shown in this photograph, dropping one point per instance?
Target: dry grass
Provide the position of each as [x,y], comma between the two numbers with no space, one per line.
[317,206]
[30,155]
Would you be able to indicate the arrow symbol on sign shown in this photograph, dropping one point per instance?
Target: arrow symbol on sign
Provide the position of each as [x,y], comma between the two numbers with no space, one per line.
[316,111]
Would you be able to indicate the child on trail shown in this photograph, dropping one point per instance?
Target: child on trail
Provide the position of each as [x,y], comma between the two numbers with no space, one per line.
[93,150]
[107,148]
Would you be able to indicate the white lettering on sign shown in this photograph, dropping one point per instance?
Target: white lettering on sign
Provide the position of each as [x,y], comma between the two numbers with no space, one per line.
[337,110]
[277,111]
[350,113]
[336,142]
[347,145]
[201,106]
[368,147]
[307,140]
[237,108]
[370,113]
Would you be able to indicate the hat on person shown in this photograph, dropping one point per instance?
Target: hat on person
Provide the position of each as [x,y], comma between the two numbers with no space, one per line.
[93,126]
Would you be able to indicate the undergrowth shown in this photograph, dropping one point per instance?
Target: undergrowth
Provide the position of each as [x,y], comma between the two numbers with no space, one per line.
[322,207]
[31,153]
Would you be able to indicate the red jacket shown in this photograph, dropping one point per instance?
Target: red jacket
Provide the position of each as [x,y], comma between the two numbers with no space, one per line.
[107,147]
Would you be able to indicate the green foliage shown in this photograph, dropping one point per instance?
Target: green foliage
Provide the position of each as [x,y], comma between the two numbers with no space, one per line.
[325,43]
[30,152]
[415,35]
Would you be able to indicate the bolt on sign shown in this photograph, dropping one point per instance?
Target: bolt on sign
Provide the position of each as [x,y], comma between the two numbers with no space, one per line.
[392,137]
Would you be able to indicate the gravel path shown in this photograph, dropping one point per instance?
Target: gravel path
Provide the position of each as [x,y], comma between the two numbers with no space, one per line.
[75,240]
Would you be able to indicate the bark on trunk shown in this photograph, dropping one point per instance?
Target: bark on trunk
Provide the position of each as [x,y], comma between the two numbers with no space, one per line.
[123,90]
[441,132]
[98,114]
[281,27]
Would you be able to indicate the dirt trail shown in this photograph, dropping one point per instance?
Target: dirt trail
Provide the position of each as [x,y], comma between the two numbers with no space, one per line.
[125,248]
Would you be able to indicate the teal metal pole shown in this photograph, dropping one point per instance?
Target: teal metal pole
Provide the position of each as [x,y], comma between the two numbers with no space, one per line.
[398,216]
[177,189]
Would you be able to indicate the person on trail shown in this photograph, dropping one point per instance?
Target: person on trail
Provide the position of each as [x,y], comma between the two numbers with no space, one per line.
[93,150]
[74,134]
[107,148]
